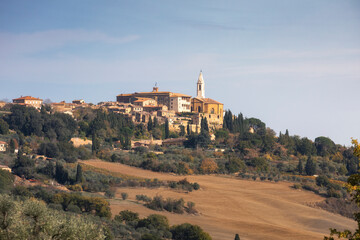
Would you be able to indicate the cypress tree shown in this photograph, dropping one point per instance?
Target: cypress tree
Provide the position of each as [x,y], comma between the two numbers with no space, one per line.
[167,131]
[204,125]
[150,124]
[155,123]
[287,133]
[12,146]
[300,167]
[79,174]
[241,124]
[188,129]
[182,130]
[310,167]
[237,237]
[127,143]
[95,144]
[229,121]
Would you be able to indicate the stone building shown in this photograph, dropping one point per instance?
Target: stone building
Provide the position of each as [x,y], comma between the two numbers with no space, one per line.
[3,146]
[174,101]
[29,101]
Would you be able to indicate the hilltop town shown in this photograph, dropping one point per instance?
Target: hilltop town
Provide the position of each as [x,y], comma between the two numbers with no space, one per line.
[115,158]
[180,110]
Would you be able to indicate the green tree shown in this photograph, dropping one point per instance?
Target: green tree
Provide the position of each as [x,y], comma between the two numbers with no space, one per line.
[353,186]
[300,167]
[188,129]
[33,220]
[6,181]
[310,167]
[13,145]
[4,127]
[24,166]
[237,237]
[49,169]
[124,195]
[204,125]
[182,130]
[155,221]
[50,150]
[324,146]
[61,174]
[150,124]
[95,144]
[167,131]
[127,216]
[79,174]
[189,232]
[156,124]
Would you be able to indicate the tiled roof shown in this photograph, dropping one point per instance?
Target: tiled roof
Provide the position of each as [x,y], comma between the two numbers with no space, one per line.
[179,95]
[126,95]
[27,98]
[208,100]
[1,142]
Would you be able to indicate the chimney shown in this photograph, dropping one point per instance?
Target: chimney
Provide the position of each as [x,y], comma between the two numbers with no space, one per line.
[155,89]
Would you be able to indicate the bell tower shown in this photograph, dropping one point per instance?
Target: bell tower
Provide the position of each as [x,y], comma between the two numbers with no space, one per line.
[200,91]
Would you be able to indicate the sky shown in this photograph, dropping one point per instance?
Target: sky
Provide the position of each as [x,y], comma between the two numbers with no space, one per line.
[293,64]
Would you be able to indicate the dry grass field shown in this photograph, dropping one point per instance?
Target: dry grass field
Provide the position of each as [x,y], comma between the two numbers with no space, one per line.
[253,209]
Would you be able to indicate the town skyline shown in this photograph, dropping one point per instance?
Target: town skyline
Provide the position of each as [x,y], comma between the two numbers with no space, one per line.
[293,65]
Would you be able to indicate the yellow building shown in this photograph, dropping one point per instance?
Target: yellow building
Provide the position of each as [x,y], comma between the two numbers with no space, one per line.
[207,107]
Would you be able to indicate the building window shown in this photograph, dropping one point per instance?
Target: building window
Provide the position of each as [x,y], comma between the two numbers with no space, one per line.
[200,87]
[212,111]
[199,109]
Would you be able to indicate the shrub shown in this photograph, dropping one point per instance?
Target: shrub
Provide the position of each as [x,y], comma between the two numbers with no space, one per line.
[110,193]
[208,165]
[189,232]
[127,216]
[6,181]
[124,195]
[76,187]
[143,198]
[73,208]
[322,181]
[190,208]
[156,221]
[196,186]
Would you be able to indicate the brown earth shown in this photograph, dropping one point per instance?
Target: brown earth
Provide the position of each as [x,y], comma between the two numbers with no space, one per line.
[253,209]
[77,142]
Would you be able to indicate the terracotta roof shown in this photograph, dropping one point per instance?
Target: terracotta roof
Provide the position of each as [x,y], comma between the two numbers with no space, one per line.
[179,95]
[208,100]
[27,98]
[1,142]
[126,95]
[152,93]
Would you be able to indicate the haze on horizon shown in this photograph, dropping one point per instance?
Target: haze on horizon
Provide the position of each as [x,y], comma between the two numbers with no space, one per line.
[293,64]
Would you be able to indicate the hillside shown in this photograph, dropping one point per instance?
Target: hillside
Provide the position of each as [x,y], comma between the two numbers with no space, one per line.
[255,210]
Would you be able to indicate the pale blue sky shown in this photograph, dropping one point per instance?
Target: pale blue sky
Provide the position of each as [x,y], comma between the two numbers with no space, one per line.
[293,64]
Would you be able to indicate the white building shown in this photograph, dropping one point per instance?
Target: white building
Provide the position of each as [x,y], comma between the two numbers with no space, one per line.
[180,102]
[3,146]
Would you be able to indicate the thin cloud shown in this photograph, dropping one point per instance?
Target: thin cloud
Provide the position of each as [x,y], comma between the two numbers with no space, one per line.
[25,43]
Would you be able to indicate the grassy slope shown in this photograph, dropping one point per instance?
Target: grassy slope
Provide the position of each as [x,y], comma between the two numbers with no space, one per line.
[255,210]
